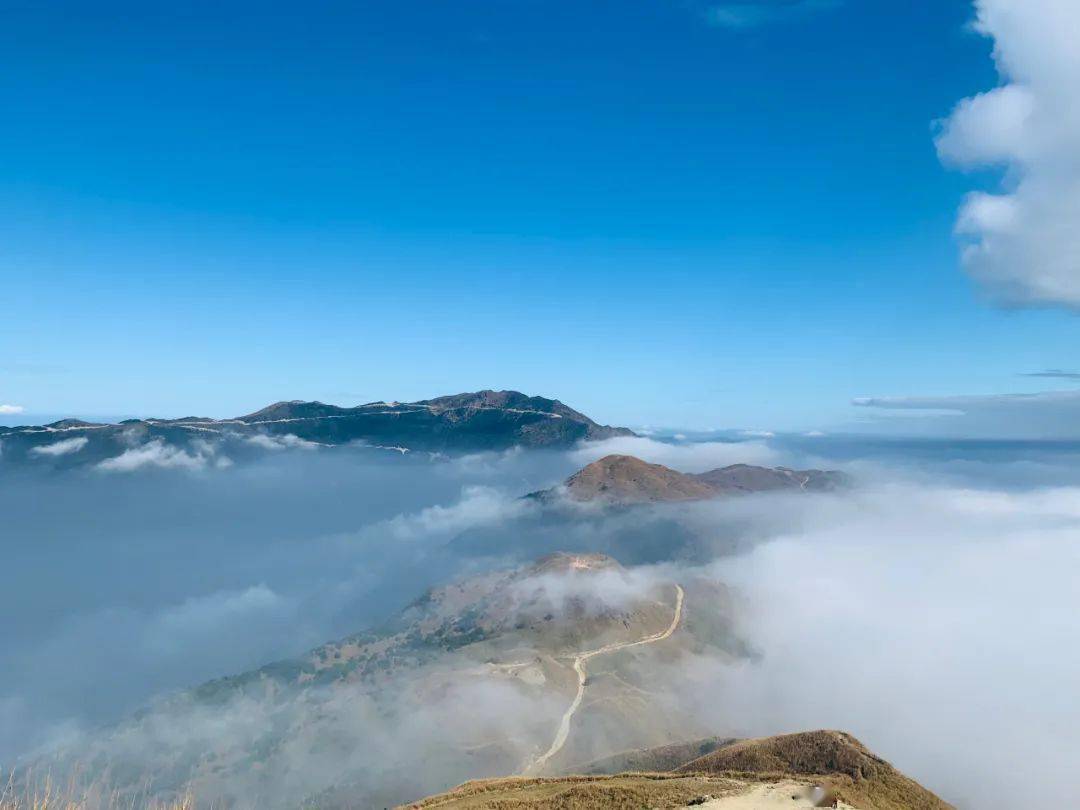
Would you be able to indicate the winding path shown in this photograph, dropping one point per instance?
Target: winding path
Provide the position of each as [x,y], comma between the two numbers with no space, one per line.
[579,668]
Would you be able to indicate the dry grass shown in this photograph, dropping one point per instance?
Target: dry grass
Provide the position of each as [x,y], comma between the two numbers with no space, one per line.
[853,773]
[623,792]
[836,761]
[655,760]
[25,791]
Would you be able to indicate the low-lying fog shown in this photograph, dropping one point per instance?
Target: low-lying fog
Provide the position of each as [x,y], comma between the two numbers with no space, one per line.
[930,611]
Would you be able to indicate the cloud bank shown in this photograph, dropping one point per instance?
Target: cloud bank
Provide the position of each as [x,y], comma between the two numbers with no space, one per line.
[1022,241]
[288,441]
[949,607]
[930,598]
[157,453]
[155,582]
[690,457]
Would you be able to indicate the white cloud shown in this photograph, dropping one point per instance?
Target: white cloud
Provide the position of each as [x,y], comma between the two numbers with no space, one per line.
[10,410]
[988,128]
[954,606]
[288,441]
[688,457]
[595,592]
[479,506]
[61,448]
[1023,242]
[182,627]
[157,453]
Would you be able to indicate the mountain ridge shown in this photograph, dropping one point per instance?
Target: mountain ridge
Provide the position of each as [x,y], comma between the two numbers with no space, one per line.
[623,480]
[457,423]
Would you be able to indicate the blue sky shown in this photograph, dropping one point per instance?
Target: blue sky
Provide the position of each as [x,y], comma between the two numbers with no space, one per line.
[666,212]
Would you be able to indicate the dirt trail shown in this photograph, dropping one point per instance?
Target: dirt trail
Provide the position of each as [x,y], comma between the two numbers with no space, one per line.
[579,668]
[786,794]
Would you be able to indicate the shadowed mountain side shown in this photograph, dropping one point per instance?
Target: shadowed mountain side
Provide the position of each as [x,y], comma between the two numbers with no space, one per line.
[621,479]
[749,478]
[811,769]
[484,420]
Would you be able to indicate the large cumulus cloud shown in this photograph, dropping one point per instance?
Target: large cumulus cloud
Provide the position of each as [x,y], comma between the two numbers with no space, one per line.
[1022,241]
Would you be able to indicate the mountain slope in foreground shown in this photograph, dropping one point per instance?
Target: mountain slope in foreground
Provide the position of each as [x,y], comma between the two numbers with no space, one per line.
[619,479]
[520,670]
[483,420]
[811,769]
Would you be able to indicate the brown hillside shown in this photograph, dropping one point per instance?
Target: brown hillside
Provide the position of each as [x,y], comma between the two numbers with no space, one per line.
[812,769]
[625,479]
[622,792]
[629,480]
[745,478]
[856,775]
[655,760]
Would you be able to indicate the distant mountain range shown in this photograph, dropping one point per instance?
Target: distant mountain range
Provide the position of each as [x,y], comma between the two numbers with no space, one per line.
[619,479]
[484,420]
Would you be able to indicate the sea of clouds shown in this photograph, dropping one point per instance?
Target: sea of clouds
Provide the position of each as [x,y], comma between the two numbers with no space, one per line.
[928,610]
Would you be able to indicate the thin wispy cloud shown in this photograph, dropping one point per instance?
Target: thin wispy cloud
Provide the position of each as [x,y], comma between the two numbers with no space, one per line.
[62,448]
[1039,415]
[10,410]
[966,403]
[744,15]
[288,441]
[1054,374]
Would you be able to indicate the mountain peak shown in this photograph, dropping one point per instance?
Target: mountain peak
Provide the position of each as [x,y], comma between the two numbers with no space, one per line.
[628,479]
[623,479]
[507,400]
[563,562]
[291,409]
[68,424]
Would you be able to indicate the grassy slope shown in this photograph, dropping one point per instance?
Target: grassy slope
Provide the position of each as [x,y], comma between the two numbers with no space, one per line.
[833,759]
[629,791]
[855,775]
